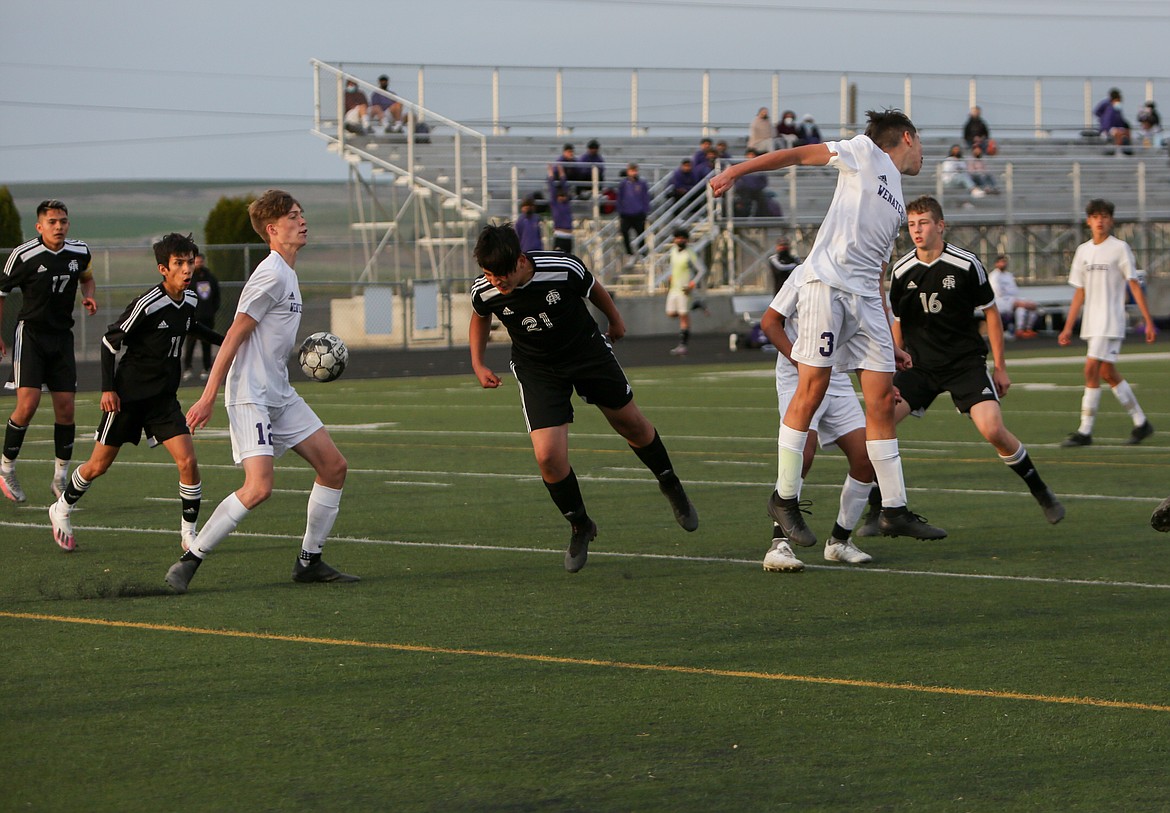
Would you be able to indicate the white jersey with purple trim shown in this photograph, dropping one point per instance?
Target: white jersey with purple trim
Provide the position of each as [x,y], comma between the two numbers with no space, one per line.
[259,372]
[858,232]
[1103,270]
[784,303]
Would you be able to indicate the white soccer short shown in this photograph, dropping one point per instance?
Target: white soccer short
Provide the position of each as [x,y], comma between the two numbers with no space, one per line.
[1104,348]
[678,303]
[258,429]
[837,416]
[842,330]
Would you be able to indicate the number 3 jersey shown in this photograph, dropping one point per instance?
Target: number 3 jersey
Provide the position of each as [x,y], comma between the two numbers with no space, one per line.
[546,318]
[150,334]
[48,280]
[935,304]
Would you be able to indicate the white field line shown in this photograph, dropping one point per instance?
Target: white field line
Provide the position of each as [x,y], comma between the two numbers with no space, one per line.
[718,560]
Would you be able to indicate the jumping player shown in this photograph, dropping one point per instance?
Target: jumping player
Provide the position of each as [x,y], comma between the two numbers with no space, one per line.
[934,291]
[557,347]
[48,270]
[843,322]
[138,391]
[1102,268]
[265,414]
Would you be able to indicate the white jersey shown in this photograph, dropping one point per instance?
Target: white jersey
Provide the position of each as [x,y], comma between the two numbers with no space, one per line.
[1003,283]
[1103,270]
[785,303]
[259,372]
[858,232]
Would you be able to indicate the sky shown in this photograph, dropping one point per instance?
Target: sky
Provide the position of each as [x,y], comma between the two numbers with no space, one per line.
[223,90]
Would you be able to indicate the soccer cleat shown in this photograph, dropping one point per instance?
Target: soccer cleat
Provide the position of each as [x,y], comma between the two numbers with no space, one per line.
[1053,510]
[62,527]
[872,524]
[318,571]
[904,522]
[1160,519]
[846,551]
[1077,439]
[1139,434]
[685,512]
[11,486]
[181,573]
[678,350]
[58,485]
[578,550]
[187,374]
[1025,334]
[787,514]
[781,559]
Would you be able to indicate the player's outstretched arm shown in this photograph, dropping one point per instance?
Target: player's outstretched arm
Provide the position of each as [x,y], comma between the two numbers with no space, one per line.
[604,303]
[477,334]
[807,155]
[200,412]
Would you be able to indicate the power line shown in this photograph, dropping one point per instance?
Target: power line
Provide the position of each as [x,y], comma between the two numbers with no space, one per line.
[170,111]
[148,140]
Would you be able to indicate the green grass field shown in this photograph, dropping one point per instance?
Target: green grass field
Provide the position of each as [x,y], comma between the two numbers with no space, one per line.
[1012,666]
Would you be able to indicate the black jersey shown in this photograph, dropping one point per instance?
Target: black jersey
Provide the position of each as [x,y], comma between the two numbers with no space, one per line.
[151,330]
[48,280]
[546,318]
[935,305]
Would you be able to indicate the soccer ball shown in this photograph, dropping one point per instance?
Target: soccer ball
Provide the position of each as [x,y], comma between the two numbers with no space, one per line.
[323,357]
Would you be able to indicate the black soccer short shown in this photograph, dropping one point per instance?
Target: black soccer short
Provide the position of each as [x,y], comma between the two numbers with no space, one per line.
[159,416]
[546,393]
[968,386]
[44,357]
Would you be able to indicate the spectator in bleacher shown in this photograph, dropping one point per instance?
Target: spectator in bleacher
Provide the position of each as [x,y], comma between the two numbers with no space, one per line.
[684,178]
[760,132]
[722,151]
[975,131]
[1103,268]
[781,264]
[955,174]
[633,205]
[1150,123]
[786,134]
[356,108]
[384,109]
[1112,123]
[593,157]
[977,169]
[572,172]
[751,196]
[807,131]
[700,159]
[1018,315]
[560,206]
[528,227]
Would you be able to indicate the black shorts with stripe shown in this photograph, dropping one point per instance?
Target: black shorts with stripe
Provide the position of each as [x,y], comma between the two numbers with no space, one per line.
[44,357]
[968,385]
[546,393]
[160,417]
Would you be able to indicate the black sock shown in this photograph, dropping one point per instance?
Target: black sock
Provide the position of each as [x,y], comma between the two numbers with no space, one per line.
[840,534]
[684,336]
[655,457]
[63,434]
[875,499]
[777,531]
[1027,472]
[566,496]
[13,439]
[75,487]
[188,556]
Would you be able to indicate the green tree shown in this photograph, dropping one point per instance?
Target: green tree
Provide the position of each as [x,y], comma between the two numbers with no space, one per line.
[228,223]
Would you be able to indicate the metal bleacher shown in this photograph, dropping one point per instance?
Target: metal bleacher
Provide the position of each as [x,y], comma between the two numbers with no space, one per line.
[420,197]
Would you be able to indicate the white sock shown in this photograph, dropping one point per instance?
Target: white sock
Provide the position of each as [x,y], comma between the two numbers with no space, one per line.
[887,464]
[854,501]
[1128,400]
[790,461]
[60,468]
[324,504]
[223,520]
[1089,403]
[6,464]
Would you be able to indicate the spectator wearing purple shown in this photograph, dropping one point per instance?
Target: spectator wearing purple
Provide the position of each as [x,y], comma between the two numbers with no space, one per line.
[751,197]
[593,157]
[683,179]
[571,171]
[700,160]
[633,205]
[382,104]
[528,227]
[561,208]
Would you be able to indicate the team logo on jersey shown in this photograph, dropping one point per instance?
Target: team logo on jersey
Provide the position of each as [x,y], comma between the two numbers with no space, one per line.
[553,297]
[507,311]
[74,267]
[41,270]
[163,325]
[882,178]
[949,281]
[913,286]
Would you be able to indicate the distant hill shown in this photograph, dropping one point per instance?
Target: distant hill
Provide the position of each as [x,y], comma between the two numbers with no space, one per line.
[138,212]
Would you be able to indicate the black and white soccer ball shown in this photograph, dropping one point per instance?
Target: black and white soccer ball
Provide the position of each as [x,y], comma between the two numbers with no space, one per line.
[323,357]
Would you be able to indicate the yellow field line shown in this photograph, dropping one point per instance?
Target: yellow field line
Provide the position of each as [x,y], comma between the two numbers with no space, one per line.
[644,667]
